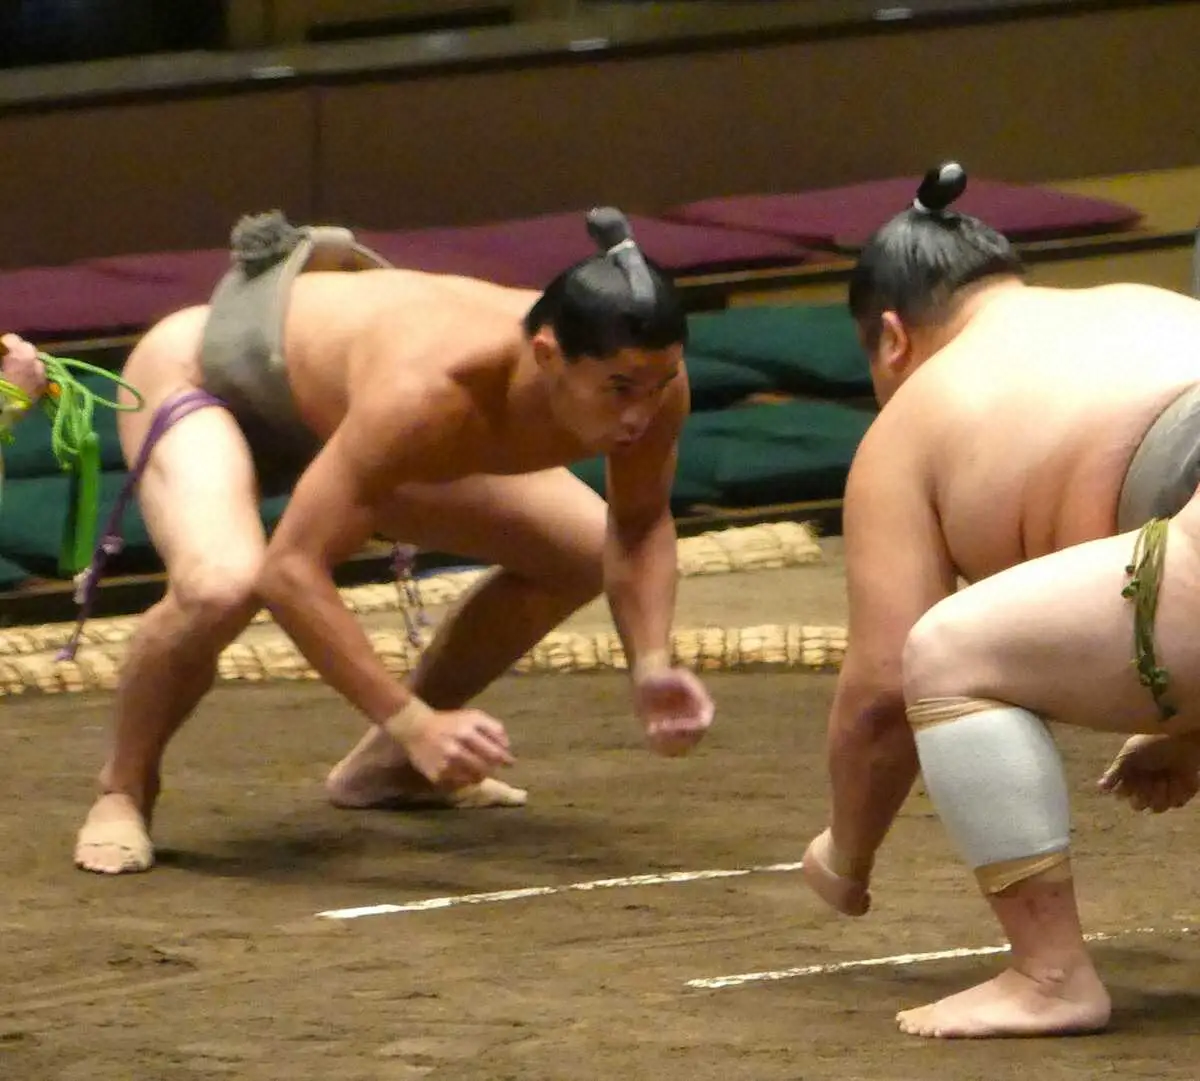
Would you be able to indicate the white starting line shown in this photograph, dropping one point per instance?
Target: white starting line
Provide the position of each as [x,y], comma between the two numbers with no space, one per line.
[899,959]
[669,878]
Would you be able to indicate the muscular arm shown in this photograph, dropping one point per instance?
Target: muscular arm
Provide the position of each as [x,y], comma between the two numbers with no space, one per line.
[330,516]
[640,565]
[897,567]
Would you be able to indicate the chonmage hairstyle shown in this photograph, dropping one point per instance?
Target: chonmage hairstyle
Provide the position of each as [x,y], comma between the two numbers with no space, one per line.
[916,263]
[614,300]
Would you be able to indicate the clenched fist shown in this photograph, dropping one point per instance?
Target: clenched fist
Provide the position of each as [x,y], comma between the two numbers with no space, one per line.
[674,707]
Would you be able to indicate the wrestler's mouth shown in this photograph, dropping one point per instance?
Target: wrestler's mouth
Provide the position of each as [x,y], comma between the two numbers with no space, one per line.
[628,439]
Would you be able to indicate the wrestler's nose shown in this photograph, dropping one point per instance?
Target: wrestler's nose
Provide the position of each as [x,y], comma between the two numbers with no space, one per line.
[641,413]
[633,423]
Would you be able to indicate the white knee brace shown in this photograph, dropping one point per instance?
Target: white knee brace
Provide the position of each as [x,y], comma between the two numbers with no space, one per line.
[995,776]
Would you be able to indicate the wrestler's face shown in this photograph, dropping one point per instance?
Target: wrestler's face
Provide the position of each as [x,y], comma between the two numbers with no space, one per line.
[609,403]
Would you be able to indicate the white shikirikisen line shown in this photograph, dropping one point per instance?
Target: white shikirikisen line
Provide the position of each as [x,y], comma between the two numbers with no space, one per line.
[899,959]
[668,878]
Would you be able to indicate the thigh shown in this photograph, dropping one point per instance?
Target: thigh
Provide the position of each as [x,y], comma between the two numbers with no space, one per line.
[199,498]
[543,525]
[1055,636]
[198,494]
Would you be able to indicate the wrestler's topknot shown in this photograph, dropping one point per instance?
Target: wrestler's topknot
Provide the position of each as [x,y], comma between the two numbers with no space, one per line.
[940,187]
[915,263]
[617,299]
[611,231]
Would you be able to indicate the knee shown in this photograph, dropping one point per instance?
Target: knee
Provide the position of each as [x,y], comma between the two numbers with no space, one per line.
[935,658]
[218,597]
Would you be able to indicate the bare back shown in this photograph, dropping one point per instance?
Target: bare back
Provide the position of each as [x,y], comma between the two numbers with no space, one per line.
[380,327]
[451,347]
[1026,422]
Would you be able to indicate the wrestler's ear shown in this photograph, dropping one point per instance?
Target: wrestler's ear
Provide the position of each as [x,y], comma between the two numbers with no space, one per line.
[545,348]
[895,345]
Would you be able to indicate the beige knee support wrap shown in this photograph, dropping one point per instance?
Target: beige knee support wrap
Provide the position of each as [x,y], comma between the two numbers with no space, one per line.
[995,776]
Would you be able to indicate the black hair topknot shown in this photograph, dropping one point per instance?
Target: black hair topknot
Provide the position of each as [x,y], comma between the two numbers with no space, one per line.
[918,261]
[608,227]
[940,187]
[615,300]
[612,233]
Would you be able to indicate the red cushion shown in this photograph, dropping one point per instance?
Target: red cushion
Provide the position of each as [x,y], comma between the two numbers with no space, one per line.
[846,217]
[529,252]
[128,293]
[75,301]
[197,270]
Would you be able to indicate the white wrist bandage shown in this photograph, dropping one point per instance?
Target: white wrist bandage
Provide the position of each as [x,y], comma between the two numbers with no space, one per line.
[653,660]
[403,724]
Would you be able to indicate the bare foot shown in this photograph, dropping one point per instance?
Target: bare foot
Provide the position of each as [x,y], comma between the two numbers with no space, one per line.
[1014,1004]
[850,896]
[376,775]
[114,839]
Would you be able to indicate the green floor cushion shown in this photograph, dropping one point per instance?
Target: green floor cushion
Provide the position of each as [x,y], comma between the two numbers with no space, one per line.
[693,478]
[755,455]
[31,453]
[34,514]
[271,510]
[791,452]
[761,454]
[801,348]
[717,383]
[12,574]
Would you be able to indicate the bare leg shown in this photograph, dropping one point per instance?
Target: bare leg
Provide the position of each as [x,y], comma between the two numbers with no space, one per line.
[546,531]
[1050,987]
[1019,638]
[199,501]
[171,666]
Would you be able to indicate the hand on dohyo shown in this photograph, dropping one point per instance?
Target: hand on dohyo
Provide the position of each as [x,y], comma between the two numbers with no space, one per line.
[675,709]
[458,747]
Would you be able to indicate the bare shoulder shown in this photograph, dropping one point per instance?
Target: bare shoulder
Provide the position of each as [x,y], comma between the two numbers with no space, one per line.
[512,303]
[430,330]
[1124,300]
[891,467]
[1130,291]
